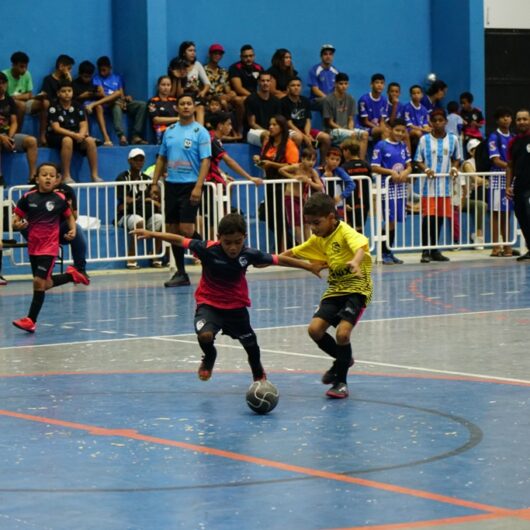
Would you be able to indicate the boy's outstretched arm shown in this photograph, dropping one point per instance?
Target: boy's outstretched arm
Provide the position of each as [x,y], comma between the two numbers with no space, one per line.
[174,239]
[286,260]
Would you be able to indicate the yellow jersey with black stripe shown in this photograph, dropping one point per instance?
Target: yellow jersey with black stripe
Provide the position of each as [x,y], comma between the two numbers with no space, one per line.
[337,250]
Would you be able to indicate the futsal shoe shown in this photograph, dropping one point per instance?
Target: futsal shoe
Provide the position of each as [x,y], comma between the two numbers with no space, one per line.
[26,324]
[77,277]
[330,376]
[388,259]
[3,281]
[425,257]
[177,280]
[205,370]
[338,391]
[395,260]
[436,255]
[524,257]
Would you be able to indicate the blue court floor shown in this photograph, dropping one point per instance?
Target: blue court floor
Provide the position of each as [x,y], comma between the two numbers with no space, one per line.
[105,425]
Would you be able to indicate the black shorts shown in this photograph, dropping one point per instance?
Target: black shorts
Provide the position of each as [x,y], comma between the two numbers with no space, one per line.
[349,307]
[55,141]
[42,266]
[178,206]
[233,322]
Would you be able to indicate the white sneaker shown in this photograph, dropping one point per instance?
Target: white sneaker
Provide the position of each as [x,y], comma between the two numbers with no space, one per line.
[479,240]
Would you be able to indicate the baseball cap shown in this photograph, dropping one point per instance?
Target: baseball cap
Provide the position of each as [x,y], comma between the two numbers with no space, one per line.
[326,47]
[472,144]
[133,153]
[216,48]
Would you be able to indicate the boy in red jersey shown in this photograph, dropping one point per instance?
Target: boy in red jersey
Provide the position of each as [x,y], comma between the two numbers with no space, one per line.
[40,211]
[222,294]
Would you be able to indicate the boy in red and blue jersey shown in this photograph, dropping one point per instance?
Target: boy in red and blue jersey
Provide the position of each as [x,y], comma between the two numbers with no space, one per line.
[41,211]
[222,294]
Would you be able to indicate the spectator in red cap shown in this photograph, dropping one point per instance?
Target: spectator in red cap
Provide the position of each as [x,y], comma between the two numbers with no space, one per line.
[218,77]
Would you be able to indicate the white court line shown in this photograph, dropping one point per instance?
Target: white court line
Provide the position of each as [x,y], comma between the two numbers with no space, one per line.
[293,307]
[168,316]
[363,322]
[512,292]
[460,295]
[407,299]
[486,294]
[138,318]
[263,309]
[373,363]
[107,320]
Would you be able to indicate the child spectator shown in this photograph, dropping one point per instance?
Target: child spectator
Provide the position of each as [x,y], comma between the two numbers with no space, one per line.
[500,205]
[394,109]
[52,82]
[243,77]
[119,102]
[391,158]
[10,140]
[321,78]
[297,110]
[260,107]
[435,93]
[281,71]
[330,169]
[213,108]
[40,211]
[472,116]
[162,108]
[416,117]
[455,123]
[296,194]
[438,155]
[90,96]
[222,294]
[349,291]
[373,108]
[338,111]
[20,88]
[218,77]
[136,209]
[68,132]
[355,166]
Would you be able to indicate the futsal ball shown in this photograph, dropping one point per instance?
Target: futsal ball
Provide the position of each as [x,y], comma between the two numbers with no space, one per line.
[262,396]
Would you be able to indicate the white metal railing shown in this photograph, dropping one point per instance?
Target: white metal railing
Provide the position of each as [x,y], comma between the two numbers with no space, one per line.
[274,214]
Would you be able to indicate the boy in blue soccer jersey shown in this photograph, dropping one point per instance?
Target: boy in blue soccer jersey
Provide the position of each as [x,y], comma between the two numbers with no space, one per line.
[222,294]
[500,206]
[416,117]
[373,108]
[391,158]
[346,253]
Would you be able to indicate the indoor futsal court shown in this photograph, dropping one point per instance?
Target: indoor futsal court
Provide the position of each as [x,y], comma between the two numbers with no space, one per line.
[105,425]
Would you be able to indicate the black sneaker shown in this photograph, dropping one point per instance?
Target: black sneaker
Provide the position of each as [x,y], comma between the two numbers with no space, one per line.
[205,369]
[524,257]
[338,391]
[329,377]
[3,281]
[436,255]
[425,256]
[177,280]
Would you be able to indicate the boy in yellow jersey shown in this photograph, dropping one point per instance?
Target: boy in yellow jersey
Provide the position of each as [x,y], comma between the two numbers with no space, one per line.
[346,253]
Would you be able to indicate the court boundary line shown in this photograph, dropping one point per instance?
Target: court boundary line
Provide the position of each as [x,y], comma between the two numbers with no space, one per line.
[274,464]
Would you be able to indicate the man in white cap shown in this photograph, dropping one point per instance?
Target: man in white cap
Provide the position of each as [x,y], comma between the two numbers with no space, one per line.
[135,205]
[321,79]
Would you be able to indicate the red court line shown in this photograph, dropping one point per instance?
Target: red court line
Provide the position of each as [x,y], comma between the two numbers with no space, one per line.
[353,374]
[133,434]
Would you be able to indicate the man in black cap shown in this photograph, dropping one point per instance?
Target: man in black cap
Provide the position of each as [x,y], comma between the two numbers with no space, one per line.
[321,78]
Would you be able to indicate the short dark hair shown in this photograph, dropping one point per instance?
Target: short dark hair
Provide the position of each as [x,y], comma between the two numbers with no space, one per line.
[500,112]
[393,83]
[64,60]
[320,205]
[217,118]
[52,164]
[215,98]
[436,87]
[334,151]
[398,122]
[352,146]
[65,83]
[19,58]
[308,152]
[452,107]
[341,76]
[294,78]
[413,87]
[186,95]
[439,112]
[233,223]
[377,77]
[264,72]
[86,67]
[245,47]
[468,96]
[104,60]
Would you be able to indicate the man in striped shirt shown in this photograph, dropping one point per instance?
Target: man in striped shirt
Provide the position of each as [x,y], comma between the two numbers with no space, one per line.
[438,153]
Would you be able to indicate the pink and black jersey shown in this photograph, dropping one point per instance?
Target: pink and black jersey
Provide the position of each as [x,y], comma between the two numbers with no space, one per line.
[44,212]
[218,151]
[223,283]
